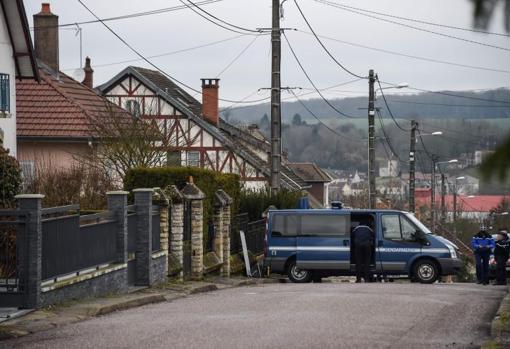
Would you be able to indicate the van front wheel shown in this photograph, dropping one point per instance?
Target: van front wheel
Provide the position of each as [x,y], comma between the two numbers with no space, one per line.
[425,271]
[297,274]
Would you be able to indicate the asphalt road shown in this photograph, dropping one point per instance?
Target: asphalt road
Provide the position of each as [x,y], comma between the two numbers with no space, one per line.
[322,316]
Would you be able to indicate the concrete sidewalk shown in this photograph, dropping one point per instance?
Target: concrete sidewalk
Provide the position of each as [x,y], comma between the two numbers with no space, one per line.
[76,311]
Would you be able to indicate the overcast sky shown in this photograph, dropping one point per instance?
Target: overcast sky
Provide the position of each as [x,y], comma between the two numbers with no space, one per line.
[173,31]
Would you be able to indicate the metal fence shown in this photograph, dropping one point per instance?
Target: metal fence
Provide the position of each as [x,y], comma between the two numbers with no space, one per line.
[254,233]
[11,223]
[72,243]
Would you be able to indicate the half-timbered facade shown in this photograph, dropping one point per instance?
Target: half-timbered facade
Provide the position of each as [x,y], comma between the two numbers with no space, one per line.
[192,132]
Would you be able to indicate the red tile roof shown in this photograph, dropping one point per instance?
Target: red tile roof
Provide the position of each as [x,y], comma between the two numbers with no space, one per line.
[57,107]
[477,203]
[309,172]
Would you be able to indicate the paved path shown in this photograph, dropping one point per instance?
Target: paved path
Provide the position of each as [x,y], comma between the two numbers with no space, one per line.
[322,316]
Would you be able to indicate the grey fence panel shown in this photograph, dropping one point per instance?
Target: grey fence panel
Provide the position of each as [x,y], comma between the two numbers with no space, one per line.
[11,286]
[131,233]
[156,232]
[68,248]
[240,222]
[255,236]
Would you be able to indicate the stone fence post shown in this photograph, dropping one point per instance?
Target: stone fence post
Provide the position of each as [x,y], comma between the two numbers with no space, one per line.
[29,249]
[177,227]
[196,197]
[117,204]
[222,202]
[143,209]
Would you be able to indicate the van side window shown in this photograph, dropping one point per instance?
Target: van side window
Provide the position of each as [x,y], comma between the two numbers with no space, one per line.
[397,227]
[325,225]
[285,225]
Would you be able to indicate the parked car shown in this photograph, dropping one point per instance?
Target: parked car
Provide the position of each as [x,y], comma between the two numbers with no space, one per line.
[310,244]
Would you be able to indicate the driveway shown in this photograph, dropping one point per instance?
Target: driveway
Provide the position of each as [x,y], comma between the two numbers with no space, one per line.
[328,315]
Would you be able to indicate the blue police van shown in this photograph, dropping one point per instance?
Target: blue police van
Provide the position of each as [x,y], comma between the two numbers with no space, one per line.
[310,244]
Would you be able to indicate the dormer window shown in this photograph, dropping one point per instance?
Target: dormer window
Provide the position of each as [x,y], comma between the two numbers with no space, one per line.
[133,107]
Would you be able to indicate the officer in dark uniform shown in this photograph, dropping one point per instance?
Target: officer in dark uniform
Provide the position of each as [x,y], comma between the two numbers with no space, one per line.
[501,252]
[363,245]
[482,244]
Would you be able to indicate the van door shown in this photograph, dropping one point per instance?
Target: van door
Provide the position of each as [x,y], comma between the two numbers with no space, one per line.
[283,232]
[323,241]
[397,243]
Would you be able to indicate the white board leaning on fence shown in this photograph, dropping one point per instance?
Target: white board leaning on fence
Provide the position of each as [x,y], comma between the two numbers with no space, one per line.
[245,253]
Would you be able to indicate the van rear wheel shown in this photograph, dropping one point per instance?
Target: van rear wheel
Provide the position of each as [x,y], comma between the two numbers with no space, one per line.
[297,274]
[425,271]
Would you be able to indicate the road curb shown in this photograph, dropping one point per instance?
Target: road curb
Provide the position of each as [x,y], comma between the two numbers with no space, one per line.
[500,326]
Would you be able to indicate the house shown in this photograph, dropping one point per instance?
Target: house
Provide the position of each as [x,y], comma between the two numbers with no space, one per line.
[55,113]
[316,178]
[390,169]
[194,134]
[17,62]
[474,207]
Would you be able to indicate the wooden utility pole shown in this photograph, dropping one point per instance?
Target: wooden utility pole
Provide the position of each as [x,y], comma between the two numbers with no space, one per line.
[412,167]
[371,140]
[443,195]
[276,140]
[433,194]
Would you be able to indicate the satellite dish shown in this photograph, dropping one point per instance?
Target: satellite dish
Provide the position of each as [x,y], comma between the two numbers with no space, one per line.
[79,75]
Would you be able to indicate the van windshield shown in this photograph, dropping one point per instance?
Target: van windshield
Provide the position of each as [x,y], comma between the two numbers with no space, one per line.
[419,224]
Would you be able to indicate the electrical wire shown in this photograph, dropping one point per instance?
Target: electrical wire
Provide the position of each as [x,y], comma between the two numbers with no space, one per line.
[221,20]
[389,109]
[426,22]
[386,138]
[151,63]
[164,54]
[132,15]
[244,31]
[313,84]
[411,26]
[322,122]
[401,54]
[324,47]
[237,56]
[449,105]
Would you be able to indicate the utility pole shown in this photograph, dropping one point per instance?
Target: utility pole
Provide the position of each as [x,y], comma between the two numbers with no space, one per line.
[412,166]
[455,204]
[276,143]
[443,195]
[433,194]
[371,140]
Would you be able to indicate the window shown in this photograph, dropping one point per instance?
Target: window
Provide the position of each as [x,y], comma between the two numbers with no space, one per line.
[134,108]
[325,225]
[5,94]
[173,158]
[397,227]
[193,159]
[285,225]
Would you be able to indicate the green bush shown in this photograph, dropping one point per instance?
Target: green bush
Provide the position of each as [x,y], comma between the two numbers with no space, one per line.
[208,182]
[255,202]
[10,179]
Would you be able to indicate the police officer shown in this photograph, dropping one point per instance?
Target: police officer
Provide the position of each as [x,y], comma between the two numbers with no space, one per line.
[501,252]
[363,246]
[482,244]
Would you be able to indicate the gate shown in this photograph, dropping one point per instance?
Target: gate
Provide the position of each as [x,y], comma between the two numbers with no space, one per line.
[186,241]
[11,240]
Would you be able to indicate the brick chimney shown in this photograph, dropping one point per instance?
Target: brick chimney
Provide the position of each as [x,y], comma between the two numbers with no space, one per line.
[89,74]
[210,101]
[46,37]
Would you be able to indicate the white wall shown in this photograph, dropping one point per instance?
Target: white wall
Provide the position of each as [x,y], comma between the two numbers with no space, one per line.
[8,124]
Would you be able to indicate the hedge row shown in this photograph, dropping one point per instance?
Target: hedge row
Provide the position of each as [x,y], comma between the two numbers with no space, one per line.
[255,202]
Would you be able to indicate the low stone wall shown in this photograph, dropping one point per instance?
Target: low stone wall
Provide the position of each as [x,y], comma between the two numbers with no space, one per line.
[110,280]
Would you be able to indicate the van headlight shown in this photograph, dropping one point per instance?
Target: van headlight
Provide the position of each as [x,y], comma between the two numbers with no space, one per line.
[453,253]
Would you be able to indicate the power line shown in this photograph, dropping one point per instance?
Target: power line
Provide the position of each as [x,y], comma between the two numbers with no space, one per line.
[164,54]
[238,56]
[132,15]
[312,83]
[426,22]
[320,121]
[389,109]
[245,31]
[395,53]
[221,20]
[149,62]
[386,138]
[449,105]
[324,47]
[411,27]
